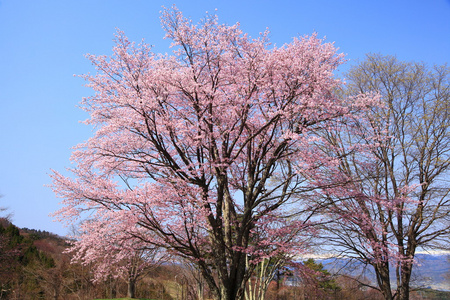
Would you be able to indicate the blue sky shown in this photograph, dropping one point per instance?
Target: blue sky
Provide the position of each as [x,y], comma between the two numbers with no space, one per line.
[42,45]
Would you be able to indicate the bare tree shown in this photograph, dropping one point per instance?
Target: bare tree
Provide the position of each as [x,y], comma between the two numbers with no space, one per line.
[5,218]
[400,192]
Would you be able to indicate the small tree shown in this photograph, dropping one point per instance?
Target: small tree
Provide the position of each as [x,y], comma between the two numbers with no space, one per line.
[104,244]
[322,278]
[263,276]
[214,145]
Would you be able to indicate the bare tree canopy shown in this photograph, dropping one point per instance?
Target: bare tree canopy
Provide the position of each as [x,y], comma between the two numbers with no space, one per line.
[402,199]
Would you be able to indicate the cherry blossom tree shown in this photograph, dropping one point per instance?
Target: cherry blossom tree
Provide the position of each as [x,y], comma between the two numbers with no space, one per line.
[208,152]
[104,244]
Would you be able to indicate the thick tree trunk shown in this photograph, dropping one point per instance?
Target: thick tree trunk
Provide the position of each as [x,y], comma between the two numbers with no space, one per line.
[230,263]
[383,279]
[403,288]
[386,290]
[226,288]
[131,288]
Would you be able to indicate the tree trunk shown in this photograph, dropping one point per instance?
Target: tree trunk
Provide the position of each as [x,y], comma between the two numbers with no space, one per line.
[55,294]
[403,288]
[200,290]
[383,279]
[131,288]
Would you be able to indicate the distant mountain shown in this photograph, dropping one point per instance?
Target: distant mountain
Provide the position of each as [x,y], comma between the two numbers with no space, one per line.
[433,271]
[430,271]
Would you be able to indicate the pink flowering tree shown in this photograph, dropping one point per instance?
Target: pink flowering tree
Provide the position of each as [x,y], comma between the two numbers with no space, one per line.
[208,152]
[104,243]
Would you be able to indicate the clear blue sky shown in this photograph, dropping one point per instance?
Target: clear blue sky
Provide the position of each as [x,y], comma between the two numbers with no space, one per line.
[42,44]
